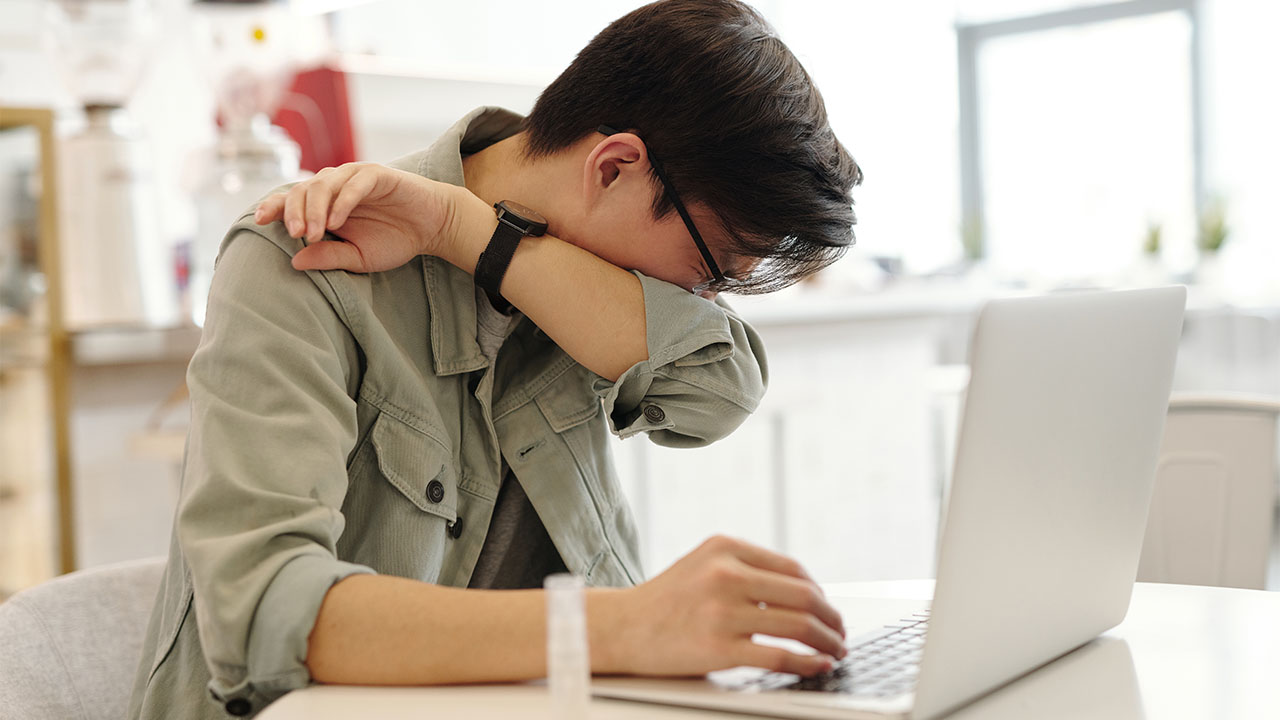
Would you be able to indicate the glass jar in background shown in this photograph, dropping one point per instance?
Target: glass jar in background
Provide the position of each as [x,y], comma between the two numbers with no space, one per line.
[100,47]
[250,160]
[251,51]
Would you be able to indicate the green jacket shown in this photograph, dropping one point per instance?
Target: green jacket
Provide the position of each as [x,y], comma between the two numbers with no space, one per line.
[326,407]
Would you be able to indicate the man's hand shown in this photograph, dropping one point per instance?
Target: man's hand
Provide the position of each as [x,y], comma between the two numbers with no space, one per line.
[386,216]
[699,615]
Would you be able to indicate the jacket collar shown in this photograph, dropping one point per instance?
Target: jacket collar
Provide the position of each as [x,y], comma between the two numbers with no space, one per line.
[450,291]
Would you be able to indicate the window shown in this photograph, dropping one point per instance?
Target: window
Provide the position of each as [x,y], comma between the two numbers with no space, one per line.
[1079,132]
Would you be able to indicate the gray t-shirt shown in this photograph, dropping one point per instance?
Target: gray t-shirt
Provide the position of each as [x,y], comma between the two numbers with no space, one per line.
[517,552]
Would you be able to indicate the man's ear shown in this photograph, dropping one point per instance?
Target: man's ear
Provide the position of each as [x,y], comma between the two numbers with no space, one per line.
[621,155]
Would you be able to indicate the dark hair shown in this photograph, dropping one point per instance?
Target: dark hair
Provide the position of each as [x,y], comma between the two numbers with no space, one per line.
[736,121]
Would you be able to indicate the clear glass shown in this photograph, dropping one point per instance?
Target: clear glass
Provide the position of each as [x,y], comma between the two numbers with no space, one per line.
[21,283]
[101,47]
[250,161]
[568,663]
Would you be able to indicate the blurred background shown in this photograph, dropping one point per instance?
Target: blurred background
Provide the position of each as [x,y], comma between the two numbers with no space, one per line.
[1009,147]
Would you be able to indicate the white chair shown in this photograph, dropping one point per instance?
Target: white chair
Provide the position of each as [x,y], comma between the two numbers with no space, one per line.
[1213,511]
[1229,350]
[70,648]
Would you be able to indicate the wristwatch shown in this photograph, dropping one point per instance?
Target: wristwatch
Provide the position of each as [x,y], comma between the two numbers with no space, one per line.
[515,222]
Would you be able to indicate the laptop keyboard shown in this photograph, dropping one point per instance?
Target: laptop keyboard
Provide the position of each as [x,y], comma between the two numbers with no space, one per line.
[883,664]
[880,664]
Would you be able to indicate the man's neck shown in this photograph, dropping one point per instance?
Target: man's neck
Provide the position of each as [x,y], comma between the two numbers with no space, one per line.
[502,171]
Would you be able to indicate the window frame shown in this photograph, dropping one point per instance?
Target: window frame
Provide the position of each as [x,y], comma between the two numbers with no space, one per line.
[970,37]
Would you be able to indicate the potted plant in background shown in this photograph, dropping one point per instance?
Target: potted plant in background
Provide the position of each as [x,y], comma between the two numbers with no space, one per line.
[1150,270]
[1211,235]
[974,267]
[1151,243]
[972,241]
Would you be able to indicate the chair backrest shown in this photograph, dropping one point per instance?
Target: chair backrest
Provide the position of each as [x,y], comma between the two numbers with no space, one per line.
[1213,512]
[70,648]
[1231,351]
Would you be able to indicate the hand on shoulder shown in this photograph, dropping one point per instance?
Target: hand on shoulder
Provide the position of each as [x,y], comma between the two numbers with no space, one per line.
[379,218]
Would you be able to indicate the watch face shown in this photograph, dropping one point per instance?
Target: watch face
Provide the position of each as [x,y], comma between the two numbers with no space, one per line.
[533,221]
[531,215]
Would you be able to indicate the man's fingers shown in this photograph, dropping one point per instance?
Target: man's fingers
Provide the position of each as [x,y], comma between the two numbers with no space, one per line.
[317,210]
[295,206]
[794,625]
[353,192]
[330,255]
[787,592]
[779,660]
[269,209]
[321,203]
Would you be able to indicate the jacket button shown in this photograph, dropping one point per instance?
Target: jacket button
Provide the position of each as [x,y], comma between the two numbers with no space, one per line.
[238,707]
[435,491]
[455,528]
[654,414]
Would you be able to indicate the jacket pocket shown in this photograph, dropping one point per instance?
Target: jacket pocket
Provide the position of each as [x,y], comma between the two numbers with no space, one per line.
[416,465]
[401,498]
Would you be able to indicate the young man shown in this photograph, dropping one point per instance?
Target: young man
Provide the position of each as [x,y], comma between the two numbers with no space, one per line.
[373,453]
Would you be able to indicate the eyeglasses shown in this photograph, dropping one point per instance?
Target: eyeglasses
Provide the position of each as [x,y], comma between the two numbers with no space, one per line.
[684,214]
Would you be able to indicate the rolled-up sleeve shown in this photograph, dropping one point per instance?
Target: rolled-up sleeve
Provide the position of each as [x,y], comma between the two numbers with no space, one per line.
[272,424]
[705,374]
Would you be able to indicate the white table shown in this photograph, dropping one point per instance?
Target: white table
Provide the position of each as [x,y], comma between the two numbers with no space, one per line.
[1182,652]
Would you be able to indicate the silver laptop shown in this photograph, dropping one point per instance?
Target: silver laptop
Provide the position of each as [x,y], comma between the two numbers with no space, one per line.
[1039,550]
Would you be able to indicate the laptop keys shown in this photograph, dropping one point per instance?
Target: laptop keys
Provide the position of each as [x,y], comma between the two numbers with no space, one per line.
[882,664]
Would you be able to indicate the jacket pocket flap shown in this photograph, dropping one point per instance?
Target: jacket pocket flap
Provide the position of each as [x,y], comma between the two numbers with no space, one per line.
[569,401]
[416,465]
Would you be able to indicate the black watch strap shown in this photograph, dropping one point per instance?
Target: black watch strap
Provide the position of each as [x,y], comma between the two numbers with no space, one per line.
[493,262]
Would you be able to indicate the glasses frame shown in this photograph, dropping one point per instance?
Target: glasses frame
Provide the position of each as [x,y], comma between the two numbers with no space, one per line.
[670,192]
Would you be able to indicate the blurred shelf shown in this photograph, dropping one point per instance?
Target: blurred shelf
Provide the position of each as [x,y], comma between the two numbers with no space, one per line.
[913,300]
[133,345]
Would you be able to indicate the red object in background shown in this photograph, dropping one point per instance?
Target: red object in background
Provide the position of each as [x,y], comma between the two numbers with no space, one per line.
[316,115]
